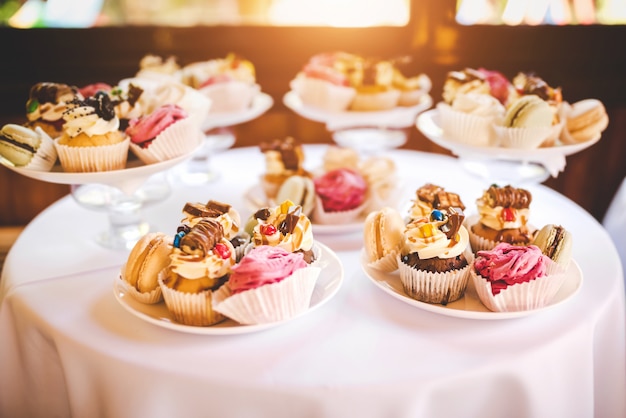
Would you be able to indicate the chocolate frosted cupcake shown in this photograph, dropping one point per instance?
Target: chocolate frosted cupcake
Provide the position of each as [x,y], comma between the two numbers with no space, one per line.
[433,264]
[502,217]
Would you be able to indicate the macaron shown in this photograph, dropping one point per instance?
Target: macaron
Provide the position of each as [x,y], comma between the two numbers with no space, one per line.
[586,120]
[529,111]
[555,242]
[383,233]
[148,257]
[19,145]
[300,190]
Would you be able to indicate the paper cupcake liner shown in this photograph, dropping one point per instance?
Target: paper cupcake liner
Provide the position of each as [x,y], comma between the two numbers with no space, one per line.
[411,97]
[466,128]
[521,138]
[555,134]
[441,287]
[526,296]
[375,101]
[149,298]
[92,159]
[230,96]
[323,217]
[46,155]
[270,303]
[180,138]
[190,308]
[387,263]
[322,94]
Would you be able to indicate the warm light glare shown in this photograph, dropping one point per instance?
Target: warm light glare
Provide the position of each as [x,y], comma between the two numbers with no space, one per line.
[339,13]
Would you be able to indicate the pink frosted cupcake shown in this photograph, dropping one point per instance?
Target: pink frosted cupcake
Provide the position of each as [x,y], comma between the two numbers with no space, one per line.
[164,134]
[268,285]
[341,196]
[513,278]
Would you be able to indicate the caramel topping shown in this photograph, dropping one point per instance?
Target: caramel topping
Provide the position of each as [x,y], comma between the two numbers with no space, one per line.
[202,238]
[262,214]
[508,196]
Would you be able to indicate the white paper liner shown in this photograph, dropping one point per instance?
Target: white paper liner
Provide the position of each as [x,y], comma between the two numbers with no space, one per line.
[387,263]
[92,159]
[230,96]
[149,298]
[190,308]
[375,101]
[180,138]
[441,287]
[46,154]
[322,94]
[526,296]
[272,302]
[478,243]
[465,127]
[323,217]
[554,135]
[411,97]
[521,138]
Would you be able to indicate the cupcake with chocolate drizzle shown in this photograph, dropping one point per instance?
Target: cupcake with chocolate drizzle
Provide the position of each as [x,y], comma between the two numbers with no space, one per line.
[503,213]
[200,264]
[45,106]
[283,158]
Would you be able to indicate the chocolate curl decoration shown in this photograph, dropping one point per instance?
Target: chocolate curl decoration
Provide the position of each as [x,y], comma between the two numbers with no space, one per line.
[508,196]
[288,225]
[202,238]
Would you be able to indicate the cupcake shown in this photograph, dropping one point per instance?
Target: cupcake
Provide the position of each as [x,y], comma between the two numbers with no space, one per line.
[527,123]
[27,148]
[433,264]
[340,157]
[381,176]
[45,106]
[283,226]
[341,196]
[164,134]
[411,89]
[154,67]
[229,82]
[283,158]
[268,285]
[502,217]
[464,82]
[91,140]
[512,278]
[374,87]
[429,197]
[200,264]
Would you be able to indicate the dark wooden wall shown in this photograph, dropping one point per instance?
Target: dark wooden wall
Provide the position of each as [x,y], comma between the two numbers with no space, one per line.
[585,61]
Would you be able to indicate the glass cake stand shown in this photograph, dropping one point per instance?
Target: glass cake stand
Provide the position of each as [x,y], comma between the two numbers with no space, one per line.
[369,133]
[218,137]
[498,164]
[121,194]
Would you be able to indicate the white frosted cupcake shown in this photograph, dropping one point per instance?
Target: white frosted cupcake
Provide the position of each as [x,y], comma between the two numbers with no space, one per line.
[269,284]
[323,94]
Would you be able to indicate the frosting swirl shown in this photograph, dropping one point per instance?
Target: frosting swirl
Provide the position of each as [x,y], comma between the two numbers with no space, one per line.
[284,226]
[504,207]
[92,116]
[438,236]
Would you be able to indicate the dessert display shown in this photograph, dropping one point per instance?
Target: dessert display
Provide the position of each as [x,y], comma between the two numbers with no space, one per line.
[91,140]
[45,106]
[511,278]
[341,81]
[28,148]
[503,213]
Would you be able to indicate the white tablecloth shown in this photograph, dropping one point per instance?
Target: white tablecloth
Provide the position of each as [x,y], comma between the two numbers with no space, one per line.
[68,348]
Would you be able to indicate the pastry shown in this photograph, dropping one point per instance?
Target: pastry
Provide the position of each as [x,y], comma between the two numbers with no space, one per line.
[585,120]
[283,158]
[269,284]
[382,238]
[555,242]
[91,140]
[340,196]
[512,278]
[45,106]
[300,190]
[164,134]
[148,257]
[374,87]
[27,148]
[154,67]
[433,264]
[464,81]
[411,89]
[429,197]
[503,217]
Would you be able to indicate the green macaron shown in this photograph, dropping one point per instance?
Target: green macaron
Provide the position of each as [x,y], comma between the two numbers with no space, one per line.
[18,144]
[529,111]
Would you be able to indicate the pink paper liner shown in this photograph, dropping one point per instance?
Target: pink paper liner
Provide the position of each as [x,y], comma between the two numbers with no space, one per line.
[323,217]
[190,308]
[466,128]
[231,96]
[149,298]
[93,159]
[526,296]
[46,155]
[270,303]
[375,101]
[443,287]
[521,138]
[322,94]
[180,138]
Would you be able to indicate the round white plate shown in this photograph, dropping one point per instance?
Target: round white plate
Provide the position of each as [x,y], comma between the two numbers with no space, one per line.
[401,117]
[429,124]
[327,285]
[261,103]
[469,306]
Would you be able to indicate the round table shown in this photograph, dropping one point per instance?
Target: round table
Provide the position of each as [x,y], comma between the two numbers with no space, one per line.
[68,348]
